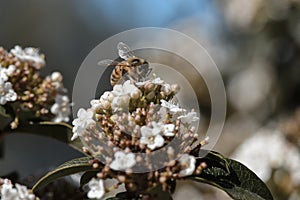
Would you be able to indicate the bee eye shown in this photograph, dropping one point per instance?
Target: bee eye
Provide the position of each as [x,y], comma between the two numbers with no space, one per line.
[135,61]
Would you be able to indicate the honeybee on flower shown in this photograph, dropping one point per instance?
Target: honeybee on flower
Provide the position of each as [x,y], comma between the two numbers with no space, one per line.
[136,127]
[131,67]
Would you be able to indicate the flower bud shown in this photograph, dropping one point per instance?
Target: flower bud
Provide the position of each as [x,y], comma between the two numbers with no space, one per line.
[135,94]
[151,95]
[105,104]
[175,88]
[149,86]
[56,77]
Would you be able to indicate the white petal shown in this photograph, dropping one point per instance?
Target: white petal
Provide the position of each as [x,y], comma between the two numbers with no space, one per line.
[75,135]
[54,108]
[115,165]
[188,164]
[120,155]
[159,141]
[80,112]
[89,114]
[10,70]
[96,189]
[168,129]
[3,100]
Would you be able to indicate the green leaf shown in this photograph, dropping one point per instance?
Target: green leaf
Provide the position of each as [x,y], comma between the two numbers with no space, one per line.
[239,182]
[59,131]
[219,161]
[76,144]
[86,177]
[71,167]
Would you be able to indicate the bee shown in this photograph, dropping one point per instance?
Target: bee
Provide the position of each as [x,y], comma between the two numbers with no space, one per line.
[129,68]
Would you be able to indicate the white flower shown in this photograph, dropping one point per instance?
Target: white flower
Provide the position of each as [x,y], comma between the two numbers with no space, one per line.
[29,54]
[85,118]
[173,108]
[6,92]
[267,150]
[151,136]
[187,163]
[126,89]
[122,94]
[123,161]
[95,103]
[20,192]
[61,108]
[189,118]
[7,191]
[96,189]
[107,96]
[105,101]
[169,130]
[6,72]
[120,103]
[23,192]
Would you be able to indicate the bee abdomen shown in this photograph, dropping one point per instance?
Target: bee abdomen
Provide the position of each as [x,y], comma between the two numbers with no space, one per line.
[116,75]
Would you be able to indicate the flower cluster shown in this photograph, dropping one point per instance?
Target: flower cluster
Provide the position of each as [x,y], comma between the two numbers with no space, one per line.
[6,91]
[138,127]
[270,146]
[19,192]
[24,90]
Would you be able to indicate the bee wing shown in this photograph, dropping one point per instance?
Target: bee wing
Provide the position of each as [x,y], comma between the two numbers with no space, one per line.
[124,51]
[105,62]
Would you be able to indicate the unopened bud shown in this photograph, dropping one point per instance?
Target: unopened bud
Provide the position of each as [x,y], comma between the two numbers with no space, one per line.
[56,77]
[175,88]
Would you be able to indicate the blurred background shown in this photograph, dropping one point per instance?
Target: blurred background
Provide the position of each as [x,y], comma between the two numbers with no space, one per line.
[255,44]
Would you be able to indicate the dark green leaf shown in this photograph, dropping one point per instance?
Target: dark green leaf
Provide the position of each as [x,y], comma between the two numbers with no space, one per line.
[59,131]
[239,182]
[68,168]
[76,144]
[219,161]
[86,177]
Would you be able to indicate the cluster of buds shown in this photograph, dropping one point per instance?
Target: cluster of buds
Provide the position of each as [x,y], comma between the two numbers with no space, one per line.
[24,90]
[9,192]
[138,135]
